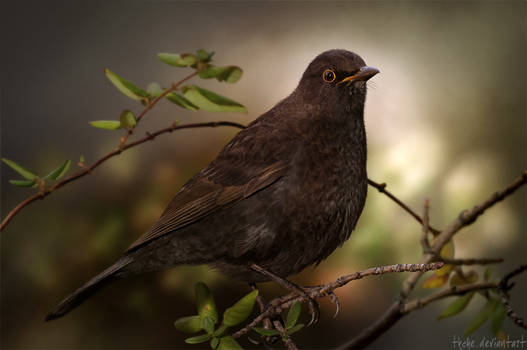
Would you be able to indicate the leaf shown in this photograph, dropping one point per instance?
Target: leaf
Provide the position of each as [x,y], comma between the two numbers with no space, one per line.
[457,306]
[214,342]
[126,87]
[198,339]
[295,328]
[181,101]
[127,119]
[205,56]
[488,272]
[178,60]
[59,172]
[81,159]
[241,310]
[497,319]
[469,277]
[293,314]
[228,343]
[266,332]
[482,317]
[221,329]
[210,101]
[230,74]
[106,124]
[205,303]
[189,324]
[208,324]
[19,169]
[154,89]
[22,183]
[446,252]
[435,281]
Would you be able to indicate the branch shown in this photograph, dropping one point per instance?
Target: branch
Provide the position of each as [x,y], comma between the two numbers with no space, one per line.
[471,261]
[89,170]
[394,312]
[503,290]
[288,342]
[277,305]
[412,305]
[382,189]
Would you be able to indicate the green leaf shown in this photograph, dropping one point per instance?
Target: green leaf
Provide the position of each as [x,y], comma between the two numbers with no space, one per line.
[59,172]
[228,343]
[214,342]
[488,272]
[189,324]
[205,303]
[205,56]
[241,310]
[497,319]
[126,87]
[230,74]
[266,332]
[19,169]
[208,324]
[154,89]
[482,317]
[181,101]
[198,339]
[457,306]
[22,183]
[81,159]
[106,124]
[295,328]
[178,60]
[293,314]
[221,329]
[210,101]
[127,119]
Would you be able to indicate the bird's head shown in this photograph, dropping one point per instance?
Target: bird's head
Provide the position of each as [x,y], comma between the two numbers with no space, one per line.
[336,79]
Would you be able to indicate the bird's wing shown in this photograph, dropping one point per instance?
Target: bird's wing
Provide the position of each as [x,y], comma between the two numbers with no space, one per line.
[206,193]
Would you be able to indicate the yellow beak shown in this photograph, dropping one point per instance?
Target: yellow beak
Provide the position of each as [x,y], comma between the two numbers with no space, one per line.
[363,74]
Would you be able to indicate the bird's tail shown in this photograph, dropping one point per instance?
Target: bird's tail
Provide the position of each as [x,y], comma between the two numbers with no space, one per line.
[88,289]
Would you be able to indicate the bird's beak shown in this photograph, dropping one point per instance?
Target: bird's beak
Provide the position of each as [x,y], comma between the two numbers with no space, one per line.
[363,74]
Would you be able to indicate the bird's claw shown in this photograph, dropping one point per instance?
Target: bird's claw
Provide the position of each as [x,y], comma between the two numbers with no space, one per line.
[314,310]
[335,300]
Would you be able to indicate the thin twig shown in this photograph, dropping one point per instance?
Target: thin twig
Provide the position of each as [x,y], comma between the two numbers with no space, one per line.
[91,168]
[471,261]
[426,226]
[381,187]
[415,304]
[503,291]
[288,342]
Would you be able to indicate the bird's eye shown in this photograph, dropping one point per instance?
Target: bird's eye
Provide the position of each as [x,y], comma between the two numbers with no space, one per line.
[329,76]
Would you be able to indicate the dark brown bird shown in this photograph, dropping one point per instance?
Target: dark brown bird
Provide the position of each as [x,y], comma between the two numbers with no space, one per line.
[283,194]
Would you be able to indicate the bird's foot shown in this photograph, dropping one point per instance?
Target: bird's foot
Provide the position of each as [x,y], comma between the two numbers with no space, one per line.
[333,297]
[314,307]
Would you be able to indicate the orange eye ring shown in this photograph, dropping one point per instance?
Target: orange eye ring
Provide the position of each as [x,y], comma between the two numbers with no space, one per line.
[329,76]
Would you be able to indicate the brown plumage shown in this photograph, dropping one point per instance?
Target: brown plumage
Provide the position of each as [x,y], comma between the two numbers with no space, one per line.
[283,193]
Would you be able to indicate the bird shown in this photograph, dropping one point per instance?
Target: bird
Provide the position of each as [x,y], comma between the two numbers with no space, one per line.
[282,195]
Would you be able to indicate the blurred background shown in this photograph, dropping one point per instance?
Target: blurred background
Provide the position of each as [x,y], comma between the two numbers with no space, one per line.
[446,119]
